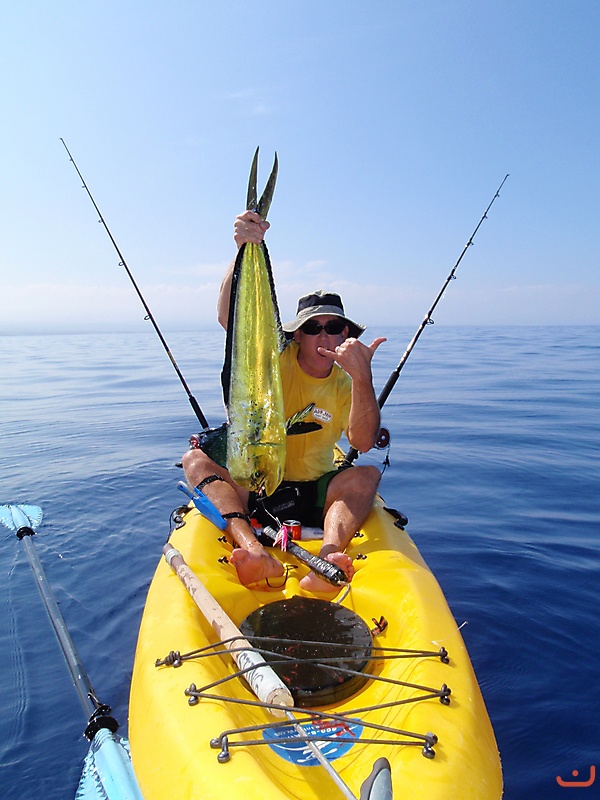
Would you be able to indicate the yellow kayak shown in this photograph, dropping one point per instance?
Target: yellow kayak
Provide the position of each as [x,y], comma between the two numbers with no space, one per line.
[399,686]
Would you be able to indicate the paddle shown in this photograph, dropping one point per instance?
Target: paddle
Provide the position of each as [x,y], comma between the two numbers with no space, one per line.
[107,771]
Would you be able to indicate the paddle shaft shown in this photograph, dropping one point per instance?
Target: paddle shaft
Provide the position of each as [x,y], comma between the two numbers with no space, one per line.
[315,750]
[261,678]
[80,679]
[122,263]
[352,453]
[107,772]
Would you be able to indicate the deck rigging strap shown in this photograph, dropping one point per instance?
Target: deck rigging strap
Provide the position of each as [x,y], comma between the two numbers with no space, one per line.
[239,643]
[399,736]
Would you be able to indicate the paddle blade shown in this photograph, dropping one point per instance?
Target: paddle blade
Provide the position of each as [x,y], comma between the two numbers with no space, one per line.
[107,771]
[378,785]
[15,517]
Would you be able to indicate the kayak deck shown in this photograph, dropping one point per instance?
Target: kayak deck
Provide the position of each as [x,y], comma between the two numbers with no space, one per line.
[423,710]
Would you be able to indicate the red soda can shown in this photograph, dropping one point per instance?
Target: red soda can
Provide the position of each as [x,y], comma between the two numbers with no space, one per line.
[294,528]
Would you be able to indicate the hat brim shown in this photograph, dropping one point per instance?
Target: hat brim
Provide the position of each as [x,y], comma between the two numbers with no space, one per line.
[354,329]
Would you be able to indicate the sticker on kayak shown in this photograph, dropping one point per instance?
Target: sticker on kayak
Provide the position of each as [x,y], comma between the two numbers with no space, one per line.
[280,740]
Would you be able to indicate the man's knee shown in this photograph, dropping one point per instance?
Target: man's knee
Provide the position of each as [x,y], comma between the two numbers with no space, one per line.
[191,458]
[195,461]
[369,477]
[356,481]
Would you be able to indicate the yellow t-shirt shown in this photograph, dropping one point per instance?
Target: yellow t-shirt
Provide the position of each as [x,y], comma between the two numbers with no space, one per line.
[310,455]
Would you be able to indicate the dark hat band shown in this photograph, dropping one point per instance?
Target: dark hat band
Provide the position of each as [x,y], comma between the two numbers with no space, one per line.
[320,299]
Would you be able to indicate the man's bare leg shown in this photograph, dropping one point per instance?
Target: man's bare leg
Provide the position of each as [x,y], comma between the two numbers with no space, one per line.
[349,499]
[250,559]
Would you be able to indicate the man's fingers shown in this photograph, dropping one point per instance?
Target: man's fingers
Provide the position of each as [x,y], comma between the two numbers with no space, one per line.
[376,342]
[325,352]
[249,228]
[344,348]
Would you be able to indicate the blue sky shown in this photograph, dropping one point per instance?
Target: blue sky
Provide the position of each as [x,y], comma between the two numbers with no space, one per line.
[394,123]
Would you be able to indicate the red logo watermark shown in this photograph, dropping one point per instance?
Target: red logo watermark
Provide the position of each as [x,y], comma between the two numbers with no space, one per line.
[577,784]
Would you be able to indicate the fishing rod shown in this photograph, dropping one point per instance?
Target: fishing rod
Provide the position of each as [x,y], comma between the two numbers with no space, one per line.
[352,454]
[149,315]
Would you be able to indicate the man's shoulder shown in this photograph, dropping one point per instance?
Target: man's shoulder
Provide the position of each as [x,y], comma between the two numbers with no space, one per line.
[289,354]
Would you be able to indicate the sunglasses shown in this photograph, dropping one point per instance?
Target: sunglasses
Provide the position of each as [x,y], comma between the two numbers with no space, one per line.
[332,327]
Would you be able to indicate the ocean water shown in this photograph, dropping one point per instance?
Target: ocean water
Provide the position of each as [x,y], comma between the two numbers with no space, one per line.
[495,459]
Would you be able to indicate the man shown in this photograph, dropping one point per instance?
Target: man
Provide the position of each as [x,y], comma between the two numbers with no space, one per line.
[325,364]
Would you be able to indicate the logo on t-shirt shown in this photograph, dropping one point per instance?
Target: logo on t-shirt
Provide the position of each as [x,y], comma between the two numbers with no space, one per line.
[322,415]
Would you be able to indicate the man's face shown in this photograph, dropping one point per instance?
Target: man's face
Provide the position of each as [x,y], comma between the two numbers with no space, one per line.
[309,343]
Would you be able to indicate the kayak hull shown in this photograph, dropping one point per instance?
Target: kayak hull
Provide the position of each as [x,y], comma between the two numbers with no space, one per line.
[171,739]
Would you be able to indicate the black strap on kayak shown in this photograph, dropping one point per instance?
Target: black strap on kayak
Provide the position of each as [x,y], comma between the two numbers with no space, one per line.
[352,454]
[122,263]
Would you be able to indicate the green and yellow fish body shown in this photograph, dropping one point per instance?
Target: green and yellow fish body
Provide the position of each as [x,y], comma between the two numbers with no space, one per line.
[252,379]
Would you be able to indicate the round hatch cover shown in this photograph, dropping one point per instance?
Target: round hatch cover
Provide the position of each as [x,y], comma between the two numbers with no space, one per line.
[316,647]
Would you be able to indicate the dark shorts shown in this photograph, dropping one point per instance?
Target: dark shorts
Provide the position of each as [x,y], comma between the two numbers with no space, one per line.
[311,497]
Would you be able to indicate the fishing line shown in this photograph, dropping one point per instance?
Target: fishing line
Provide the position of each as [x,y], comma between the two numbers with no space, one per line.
[149,315]
[352,454]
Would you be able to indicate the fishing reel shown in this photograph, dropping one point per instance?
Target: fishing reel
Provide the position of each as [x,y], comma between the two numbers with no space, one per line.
[383,439]
[213,441]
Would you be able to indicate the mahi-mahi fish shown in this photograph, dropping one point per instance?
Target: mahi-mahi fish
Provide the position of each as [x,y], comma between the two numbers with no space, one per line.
[251,374]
